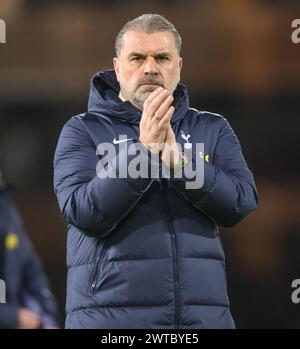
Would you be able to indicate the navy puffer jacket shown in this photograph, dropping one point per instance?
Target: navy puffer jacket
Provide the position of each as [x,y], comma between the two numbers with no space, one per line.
[145,252]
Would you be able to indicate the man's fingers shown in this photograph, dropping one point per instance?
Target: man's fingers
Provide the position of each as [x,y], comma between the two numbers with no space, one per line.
[161,111]
[153,130]
[156,103]
[150,98]
[164,122]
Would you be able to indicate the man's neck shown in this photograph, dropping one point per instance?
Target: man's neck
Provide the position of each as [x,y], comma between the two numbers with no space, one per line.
[121,97]
[124,100]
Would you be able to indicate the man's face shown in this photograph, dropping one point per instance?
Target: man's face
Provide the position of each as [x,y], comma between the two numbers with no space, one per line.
[147,61]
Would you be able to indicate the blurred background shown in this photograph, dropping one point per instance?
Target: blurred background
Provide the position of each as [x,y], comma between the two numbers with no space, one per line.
[239,61]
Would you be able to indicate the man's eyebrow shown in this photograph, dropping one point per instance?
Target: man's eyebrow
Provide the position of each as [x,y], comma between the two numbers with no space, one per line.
[159,55]
[163,54]
[135,54]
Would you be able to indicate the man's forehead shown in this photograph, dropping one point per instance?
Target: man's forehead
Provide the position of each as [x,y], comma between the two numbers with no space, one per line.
[145,43]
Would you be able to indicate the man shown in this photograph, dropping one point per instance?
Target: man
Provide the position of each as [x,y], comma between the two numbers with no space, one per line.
[144,252]
[29,304]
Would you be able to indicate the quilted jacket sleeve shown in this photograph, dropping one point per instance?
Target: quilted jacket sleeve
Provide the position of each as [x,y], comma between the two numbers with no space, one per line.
[228,193]
[93,204]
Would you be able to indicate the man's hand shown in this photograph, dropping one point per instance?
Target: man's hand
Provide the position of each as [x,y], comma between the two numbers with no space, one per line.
[155,120]
[171,156]
[27,319]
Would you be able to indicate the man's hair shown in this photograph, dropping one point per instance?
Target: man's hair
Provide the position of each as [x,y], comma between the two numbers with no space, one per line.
[148,23]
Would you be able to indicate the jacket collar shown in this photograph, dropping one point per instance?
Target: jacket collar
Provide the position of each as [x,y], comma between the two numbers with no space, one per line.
[104,100]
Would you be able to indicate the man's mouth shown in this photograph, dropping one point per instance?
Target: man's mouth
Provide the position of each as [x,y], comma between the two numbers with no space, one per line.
[150,83]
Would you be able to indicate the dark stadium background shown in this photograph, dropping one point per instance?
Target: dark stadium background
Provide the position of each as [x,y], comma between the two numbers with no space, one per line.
[239,61]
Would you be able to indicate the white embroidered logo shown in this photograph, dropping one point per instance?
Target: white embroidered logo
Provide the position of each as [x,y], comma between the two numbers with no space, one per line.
[118,141]
[187,145]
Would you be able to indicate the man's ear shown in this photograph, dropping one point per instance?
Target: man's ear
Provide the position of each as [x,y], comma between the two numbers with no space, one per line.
[116,67]
[180,63]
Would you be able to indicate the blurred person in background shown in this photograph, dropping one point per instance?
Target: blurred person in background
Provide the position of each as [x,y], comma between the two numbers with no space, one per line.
[29,302]
[145,252]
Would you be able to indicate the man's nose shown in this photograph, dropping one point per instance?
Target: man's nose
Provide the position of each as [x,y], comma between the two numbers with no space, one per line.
[150,66]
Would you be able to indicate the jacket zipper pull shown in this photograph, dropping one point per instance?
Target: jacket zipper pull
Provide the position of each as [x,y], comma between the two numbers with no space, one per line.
[94,283]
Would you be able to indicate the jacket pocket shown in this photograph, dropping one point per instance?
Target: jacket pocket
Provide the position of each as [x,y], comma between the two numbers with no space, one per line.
[95,270]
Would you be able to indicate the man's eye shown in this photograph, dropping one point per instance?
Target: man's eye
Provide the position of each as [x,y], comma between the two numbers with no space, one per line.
[136,58]
[162,58]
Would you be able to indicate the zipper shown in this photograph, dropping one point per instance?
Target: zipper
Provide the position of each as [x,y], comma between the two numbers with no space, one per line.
[95,271]
[174,250]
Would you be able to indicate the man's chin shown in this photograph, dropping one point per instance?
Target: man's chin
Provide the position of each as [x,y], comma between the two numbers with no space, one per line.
[146,92]
[143,93]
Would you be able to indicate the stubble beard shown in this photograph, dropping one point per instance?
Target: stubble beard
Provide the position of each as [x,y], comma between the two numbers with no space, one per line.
[138,98]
